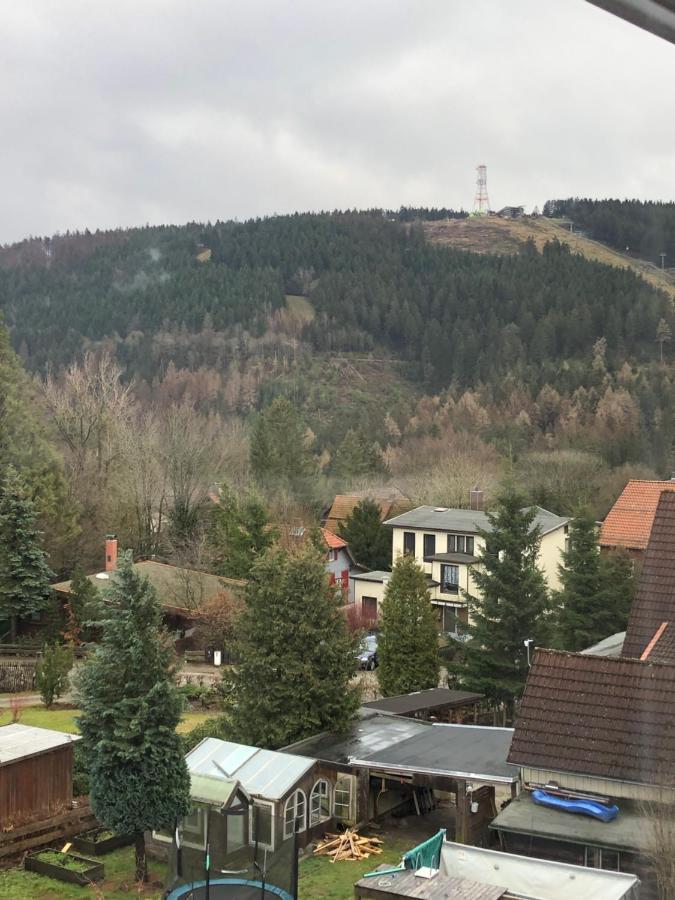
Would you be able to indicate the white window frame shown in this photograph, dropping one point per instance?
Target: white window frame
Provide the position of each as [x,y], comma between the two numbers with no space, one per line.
[344,779]
[315,815]
[294,797]
[251,822]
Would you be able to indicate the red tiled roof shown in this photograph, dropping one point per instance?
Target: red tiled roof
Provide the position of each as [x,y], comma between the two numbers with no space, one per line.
[654,601]
[599,716]
[629,522]
[333,542]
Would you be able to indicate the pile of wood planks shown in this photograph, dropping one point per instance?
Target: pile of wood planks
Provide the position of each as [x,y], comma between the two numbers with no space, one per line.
[348,845]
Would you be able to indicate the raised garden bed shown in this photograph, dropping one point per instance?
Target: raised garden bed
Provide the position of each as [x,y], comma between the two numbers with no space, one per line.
[101,841]
[65,867]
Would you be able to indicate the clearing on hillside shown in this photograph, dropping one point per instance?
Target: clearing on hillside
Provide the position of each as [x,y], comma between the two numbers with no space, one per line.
[491,234]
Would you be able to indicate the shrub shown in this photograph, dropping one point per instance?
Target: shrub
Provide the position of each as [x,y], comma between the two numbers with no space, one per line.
[51,676]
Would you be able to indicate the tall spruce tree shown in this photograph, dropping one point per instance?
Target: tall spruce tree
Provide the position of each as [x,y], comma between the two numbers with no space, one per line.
[83,605]
[617,588]
[24,573]
[407,646]
[356,456]
[513,605]
[238,533]
[280,456]
[296,655]
[580,617]
[130,709]
[369,541]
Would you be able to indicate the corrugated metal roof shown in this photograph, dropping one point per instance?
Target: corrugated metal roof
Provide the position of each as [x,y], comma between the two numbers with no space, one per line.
[22,741]
[262,773]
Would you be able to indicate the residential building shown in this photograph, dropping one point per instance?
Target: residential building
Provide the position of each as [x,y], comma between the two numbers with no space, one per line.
[340,564]
[447,546]
[652,617]
[628,524]
[179,590]
[598,728]
[390,501]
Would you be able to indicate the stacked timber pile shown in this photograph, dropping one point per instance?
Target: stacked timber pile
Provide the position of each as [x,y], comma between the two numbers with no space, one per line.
[348,845]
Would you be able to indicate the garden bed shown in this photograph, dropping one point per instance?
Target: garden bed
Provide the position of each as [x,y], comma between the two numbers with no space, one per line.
[66,867]
[101,841]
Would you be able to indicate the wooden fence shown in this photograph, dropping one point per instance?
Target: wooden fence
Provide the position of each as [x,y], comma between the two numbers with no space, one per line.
[47,831]
[17,675]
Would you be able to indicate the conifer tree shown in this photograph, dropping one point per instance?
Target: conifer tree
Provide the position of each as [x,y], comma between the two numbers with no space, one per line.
[24,573]
[579,615]
[513,606]
[83,604]
[130,709]
[369,541]
[296,655]
[356,456]
[279,451]
[407,645]
[617,589]
[238,533]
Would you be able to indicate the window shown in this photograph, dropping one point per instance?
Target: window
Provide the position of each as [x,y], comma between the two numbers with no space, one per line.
[191,830]
[409,542]
[343,798]
[319,803]
[450,579]
[260,824]
[447,619]
[452,543]
[294,814]
[236,836]
[469,546]
[429,545]
[461,543]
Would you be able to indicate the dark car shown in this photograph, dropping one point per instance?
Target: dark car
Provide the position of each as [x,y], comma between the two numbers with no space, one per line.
[367,655]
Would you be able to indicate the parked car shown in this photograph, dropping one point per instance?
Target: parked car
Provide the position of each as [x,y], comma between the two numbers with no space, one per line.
[367,655]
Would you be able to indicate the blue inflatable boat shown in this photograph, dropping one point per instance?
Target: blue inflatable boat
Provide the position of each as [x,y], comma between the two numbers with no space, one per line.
[584,807]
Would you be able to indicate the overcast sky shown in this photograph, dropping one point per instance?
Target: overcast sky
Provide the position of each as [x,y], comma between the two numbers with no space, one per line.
[136,111]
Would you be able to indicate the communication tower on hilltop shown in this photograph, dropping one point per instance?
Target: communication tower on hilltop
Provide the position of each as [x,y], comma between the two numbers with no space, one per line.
[481,205]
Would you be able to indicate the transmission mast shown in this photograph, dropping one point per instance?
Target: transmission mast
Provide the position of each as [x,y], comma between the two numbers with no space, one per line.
[481,204]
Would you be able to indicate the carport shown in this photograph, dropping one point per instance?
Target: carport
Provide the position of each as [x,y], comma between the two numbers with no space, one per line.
[467,760]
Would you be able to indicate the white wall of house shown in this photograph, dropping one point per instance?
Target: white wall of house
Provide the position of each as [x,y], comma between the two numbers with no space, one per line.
[339,565]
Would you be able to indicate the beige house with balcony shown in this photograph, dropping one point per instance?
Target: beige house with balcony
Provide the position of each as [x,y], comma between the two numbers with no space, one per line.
[447,546]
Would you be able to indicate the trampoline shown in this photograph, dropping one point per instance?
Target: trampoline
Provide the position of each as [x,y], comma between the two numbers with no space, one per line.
[229,889]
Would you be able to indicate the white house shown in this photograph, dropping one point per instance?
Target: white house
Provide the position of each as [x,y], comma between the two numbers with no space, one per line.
[447,546]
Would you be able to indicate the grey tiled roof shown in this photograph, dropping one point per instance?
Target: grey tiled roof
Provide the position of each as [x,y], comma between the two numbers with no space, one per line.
[467,521]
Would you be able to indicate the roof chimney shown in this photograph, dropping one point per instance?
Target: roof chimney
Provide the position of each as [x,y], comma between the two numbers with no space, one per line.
[110,552]
[475,498]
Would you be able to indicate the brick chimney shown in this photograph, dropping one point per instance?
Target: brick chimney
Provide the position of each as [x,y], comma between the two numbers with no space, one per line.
[475,498]
[110,552]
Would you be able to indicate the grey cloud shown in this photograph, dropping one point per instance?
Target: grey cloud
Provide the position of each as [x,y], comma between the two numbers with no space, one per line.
[124,113]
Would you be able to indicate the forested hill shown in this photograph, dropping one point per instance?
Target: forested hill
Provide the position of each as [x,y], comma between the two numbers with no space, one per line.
[642,229]
[375,285]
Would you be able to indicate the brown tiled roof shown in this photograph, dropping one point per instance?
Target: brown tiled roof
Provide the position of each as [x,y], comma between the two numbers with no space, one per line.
[629,522]
[654,601]
[391,502]
[661,648]
[599,716]
[333,542]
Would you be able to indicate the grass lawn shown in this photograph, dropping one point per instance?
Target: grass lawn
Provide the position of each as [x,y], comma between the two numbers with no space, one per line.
[320,879]
[15,884]
[61,719]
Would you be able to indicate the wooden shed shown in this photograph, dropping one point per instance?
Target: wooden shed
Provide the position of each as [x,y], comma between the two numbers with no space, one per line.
[36,774]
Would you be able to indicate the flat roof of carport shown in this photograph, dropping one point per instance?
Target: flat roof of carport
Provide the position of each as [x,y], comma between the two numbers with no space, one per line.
[470,752]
